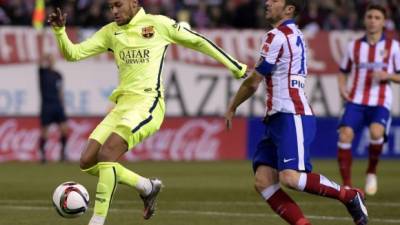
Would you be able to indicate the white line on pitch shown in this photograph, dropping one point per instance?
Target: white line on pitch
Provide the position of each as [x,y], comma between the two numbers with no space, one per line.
[244,203]
[212,213]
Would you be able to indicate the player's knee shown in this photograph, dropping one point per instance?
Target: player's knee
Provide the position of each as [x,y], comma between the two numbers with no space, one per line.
[86,162]
[346,135]
[261,183]
[109,152]
[289,178]
[376,134]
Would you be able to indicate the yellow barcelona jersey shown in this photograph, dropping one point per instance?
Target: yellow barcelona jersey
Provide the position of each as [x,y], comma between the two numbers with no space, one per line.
[139,49]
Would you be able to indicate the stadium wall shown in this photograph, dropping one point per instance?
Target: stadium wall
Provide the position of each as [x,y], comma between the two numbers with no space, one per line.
[197,92]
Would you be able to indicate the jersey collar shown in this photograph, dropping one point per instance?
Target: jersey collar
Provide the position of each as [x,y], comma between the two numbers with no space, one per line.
[287,22]
[383,37]
[141,13]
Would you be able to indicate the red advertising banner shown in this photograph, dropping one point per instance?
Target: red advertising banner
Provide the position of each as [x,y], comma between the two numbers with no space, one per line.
[178,139]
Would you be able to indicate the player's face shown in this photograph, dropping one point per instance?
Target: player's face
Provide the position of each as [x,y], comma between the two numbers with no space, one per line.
[123,10]
[374,21]
[276,10]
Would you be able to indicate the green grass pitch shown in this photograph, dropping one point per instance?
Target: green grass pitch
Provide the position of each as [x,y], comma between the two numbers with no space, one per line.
[195,193]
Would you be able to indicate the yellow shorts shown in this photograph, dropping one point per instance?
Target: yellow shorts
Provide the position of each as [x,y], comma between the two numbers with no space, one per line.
[134,118]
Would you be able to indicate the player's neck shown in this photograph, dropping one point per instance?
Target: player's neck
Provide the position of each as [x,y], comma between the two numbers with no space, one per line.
[134,13]
[280,22]
[374,38]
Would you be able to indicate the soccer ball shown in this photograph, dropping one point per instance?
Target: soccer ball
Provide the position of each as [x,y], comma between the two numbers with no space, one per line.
[71,199]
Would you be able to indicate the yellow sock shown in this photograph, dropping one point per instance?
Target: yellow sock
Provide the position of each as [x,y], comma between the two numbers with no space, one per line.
[130,178]
[105,187]
[94,170]
[125,176]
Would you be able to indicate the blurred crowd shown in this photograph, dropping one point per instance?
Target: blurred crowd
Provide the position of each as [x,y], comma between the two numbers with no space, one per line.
[318,15]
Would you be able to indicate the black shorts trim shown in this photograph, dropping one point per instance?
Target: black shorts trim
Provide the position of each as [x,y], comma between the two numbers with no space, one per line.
[148,119]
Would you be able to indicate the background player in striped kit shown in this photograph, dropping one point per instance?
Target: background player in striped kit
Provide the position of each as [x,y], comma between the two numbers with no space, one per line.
[372,62]
[283,155]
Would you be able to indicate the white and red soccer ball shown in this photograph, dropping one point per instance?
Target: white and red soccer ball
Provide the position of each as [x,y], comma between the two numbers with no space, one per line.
[71,199]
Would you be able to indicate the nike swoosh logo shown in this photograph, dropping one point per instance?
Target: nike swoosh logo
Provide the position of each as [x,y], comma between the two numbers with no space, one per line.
[288,160]
[117,33]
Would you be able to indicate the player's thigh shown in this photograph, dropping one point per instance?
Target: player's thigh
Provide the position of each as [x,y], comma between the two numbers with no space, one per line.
[44,131]
[139,123]
[379,121]
[63,128]
[353,117]
[265,154]
[114,147]
[265,176]
[59,114]
[346,134]
[104,129]
[89,154]
[46,117]
[294,138]
[377,131]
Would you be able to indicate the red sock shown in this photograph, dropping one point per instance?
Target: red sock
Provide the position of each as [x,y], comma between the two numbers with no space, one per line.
[345,160]
[320,185]
[286,208]
[375,151]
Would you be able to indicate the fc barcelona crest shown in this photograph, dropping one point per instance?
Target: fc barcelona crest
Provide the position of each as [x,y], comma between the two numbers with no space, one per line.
[148,32]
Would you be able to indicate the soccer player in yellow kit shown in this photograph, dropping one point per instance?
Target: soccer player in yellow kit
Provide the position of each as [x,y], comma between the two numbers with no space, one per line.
[139,42]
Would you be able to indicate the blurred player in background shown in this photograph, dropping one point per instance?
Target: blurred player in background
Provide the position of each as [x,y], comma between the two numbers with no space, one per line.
[371,64]
[52,104]
[139,42]
[283,155]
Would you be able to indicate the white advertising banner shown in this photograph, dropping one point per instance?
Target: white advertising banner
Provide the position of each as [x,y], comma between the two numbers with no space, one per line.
[194,84]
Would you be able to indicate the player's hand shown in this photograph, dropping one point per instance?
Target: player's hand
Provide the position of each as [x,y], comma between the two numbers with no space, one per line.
[228,119]
[57,18]
[344,94]
[381,75]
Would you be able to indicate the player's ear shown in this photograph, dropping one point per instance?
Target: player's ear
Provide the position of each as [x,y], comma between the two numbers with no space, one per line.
[135,3]
[290,10]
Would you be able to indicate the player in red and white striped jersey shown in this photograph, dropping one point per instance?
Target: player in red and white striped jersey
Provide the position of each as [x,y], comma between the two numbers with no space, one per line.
[369,66]
[283,155]
[284,51]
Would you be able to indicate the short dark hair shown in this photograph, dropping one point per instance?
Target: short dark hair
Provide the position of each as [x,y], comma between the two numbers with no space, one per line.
[298,4]
[378,7]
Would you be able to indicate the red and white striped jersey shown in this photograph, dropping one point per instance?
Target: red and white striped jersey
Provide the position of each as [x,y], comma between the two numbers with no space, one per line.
[361,60]
[283,63]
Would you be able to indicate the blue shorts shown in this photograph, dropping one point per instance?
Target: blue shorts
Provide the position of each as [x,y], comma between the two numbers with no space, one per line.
[358,116]
[52,114]
[286,144]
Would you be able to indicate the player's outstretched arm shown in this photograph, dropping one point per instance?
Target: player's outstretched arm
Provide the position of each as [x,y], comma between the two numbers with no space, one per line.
[246,90]
[183,35]
[73,52]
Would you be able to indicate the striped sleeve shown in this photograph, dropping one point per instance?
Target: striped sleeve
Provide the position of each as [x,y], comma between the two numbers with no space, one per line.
[270,51]
[94,45]
[346,61]
[175,33]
